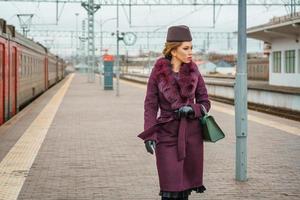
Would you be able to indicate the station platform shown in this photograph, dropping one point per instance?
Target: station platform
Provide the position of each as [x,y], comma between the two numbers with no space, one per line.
[79,142]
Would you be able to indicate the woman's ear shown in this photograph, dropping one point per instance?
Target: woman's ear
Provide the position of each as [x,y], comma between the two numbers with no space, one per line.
[174,52]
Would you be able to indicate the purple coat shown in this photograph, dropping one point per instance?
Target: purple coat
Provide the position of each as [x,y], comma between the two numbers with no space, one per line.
[179,150]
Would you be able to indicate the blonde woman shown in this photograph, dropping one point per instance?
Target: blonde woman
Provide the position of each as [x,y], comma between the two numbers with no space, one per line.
[177,89]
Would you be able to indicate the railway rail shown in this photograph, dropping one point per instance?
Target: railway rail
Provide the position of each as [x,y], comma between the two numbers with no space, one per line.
[229,82]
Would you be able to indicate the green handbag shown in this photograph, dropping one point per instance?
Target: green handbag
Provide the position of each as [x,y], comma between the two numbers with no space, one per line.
[211,131]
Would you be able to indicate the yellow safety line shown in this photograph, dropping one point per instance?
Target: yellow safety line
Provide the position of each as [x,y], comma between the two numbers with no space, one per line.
[263,121]
[16,164]
[266,122]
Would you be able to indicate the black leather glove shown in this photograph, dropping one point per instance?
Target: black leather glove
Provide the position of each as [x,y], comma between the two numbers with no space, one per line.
[186,111]
[150,146]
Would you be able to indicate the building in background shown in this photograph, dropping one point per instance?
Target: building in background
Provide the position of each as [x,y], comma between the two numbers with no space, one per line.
[206,67]
[281,36]
[226,68]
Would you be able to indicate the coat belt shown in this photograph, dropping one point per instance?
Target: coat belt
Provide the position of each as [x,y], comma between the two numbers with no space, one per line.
[182,138]
[171,115]
[182,133]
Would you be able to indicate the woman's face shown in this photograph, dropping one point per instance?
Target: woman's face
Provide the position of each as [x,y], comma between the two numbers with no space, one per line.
[184,52]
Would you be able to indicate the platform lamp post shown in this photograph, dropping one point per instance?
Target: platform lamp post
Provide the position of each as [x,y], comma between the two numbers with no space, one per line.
[117,58]
[101,45]
[128,38]
[76,39]
[241,113]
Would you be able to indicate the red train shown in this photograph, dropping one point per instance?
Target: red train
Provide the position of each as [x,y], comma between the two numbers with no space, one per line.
[27,69]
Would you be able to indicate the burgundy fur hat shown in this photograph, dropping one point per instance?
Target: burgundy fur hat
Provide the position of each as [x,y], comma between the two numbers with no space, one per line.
[179,34]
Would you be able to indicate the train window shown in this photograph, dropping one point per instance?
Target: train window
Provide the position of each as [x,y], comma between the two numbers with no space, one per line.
[1,59]
[299,61]
[25,65]
[28,67]
[21,65]
[13,60]
[31,65]
[290,61]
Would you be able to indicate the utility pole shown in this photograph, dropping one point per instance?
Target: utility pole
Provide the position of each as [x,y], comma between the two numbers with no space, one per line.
[76,40]
[82,47]
[293,7]
[91,9]
[25,22]
[149,54]
[241,113]
[117,58]
[101,59]
[208,42]
[228,41]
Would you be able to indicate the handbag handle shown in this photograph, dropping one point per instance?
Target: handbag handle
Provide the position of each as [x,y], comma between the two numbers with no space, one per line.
[204,109]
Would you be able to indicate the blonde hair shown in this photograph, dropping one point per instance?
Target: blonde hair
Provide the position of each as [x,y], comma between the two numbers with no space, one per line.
[169,46]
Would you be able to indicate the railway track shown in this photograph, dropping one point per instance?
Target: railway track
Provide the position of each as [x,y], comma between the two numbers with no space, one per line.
[282,112]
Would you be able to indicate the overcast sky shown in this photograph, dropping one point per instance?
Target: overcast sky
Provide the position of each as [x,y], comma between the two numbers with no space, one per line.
[198,18]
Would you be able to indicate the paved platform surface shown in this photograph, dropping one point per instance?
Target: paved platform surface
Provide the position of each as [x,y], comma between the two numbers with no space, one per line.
[90,151]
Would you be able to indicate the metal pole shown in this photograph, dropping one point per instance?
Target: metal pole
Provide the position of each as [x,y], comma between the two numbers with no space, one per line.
[91,9]
[149,53]
[214,13]
[72,49]
[83,49]
[76,39]
[228,41]
[241,119]
[208,42]
[56,12]
[117,58]
[101,59]
[91,45]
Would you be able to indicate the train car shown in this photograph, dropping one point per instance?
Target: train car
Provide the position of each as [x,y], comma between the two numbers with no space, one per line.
[27,69]
[52,69]
[3,68]
[11,84]
[8,71]
[61,69]
[31,70]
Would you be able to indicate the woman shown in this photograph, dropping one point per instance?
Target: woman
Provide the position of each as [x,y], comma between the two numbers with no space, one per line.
[176,88]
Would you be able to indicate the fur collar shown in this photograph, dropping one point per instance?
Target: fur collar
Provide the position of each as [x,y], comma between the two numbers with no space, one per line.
[180,91]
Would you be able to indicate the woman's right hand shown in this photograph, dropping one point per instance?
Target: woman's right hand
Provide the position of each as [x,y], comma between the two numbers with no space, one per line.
[150,146]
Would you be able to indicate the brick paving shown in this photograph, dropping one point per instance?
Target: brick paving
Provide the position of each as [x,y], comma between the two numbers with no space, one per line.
[91,152]
[13,129]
